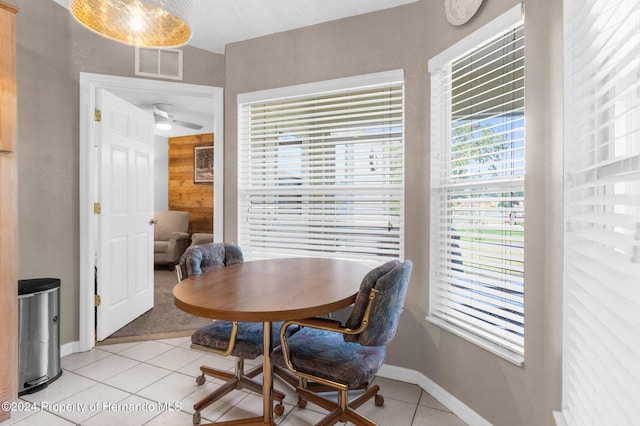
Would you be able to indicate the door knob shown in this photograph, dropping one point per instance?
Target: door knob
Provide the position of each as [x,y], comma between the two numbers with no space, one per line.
[152,221]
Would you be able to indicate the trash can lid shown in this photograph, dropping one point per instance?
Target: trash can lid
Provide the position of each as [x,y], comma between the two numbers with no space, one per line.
[37,285]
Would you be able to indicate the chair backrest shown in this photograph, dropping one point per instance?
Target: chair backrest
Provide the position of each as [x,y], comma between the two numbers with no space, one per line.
[202,258]
[390,282]
[168,222]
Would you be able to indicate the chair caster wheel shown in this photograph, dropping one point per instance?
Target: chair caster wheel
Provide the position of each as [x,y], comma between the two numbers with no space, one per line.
[302,403]
[379,400]
[200,381]
[196,418]
[278,410]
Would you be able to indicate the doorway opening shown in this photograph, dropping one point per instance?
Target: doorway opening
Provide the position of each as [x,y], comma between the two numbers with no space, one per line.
[90,85]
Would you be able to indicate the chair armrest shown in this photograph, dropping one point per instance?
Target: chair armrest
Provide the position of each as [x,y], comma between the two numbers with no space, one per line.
[179,236]
[326,324]
[232,342]
[178,243]
[329,324]
[318,322]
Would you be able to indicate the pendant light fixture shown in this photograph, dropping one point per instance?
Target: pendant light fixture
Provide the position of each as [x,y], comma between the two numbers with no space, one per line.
[143,23]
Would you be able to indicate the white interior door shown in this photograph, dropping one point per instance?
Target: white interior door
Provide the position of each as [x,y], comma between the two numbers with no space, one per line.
[125,233]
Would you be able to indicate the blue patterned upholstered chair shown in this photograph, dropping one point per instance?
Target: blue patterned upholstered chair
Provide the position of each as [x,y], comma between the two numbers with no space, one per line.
[326,353]
[240,339]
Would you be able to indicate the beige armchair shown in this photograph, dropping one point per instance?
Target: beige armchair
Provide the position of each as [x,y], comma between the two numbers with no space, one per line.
[201,238]
[171,237]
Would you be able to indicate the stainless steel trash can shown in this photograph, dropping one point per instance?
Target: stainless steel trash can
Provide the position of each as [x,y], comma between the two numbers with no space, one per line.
[38,333]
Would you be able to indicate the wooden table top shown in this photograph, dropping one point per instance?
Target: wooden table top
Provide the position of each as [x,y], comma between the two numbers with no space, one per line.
[271,290]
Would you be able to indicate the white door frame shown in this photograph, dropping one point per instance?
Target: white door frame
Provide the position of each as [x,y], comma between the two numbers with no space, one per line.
[89,83]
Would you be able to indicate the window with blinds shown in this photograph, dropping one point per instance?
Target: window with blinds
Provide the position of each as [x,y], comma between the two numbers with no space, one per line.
[477,188]
[601,333]
[321,170]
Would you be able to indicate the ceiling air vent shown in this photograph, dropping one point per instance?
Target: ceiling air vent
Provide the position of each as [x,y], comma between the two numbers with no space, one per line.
[160,63]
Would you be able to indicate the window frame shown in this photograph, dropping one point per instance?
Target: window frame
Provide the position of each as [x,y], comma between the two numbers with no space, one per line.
[301,93]
[441,120]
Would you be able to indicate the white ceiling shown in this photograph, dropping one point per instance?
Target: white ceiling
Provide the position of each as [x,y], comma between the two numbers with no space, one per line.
[218,22]
[194,109]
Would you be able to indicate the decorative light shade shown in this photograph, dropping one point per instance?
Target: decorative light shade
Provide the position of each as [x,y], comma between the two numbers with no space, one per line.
[144,23]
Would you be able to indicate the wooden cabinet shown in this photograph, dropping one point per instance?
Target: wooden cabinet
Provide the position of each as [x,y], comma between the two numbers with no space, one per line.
[8,210]
[7,77]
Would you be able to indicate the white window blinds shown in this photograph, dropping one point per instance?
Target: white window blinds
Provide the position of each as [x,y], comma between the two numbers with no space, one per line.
[601,327]
[477,188]
[321,170]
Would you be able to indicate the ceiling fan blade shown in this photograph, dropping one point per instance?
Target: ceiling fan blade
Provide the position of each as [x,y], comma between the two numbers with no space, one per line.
[187,124]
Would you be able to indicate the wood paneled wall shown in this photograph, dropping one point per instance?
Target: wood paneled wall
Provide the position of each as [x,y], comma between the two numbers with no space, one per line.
[184,194]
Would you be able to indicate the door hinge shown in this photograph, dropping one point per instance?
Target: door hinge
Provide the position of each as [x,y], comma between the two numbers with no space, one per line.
[97,300]
[97,115]
[97,208]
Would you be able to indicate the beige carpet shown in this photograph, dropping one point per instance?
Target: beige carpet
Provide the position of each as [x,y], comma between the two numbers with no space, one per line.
[164,320]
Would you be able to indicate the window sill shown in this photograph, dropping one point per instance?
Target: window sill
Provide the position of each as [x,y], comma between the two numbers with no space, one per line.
[507,355]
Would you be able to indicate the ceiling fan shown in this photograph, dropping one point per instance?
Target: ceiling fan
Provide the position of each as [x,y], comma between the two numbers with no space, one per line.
[165,121]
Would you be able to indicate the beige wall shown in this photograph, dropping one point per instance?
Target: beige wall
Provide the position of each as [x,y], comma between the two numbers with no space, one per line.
[406,38]
[52,50]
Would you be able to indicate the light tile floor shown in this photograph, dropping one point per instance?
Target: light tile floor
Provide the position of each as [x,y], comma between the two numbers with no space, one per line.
[153,383]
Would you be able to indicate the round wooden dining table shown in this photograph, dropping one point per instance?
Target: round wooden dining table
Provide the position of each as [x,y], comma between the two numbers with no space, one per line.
[271,290]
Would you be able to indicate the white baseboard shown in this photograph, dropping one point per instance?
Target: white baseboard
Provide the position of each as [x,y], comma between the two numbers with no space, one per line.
[69,348]
[461,410]
[558,416]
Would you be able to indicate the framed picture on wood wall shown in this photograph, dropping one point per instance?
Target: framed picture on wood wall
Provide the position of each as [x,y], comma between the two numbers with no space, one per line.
[203,164]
